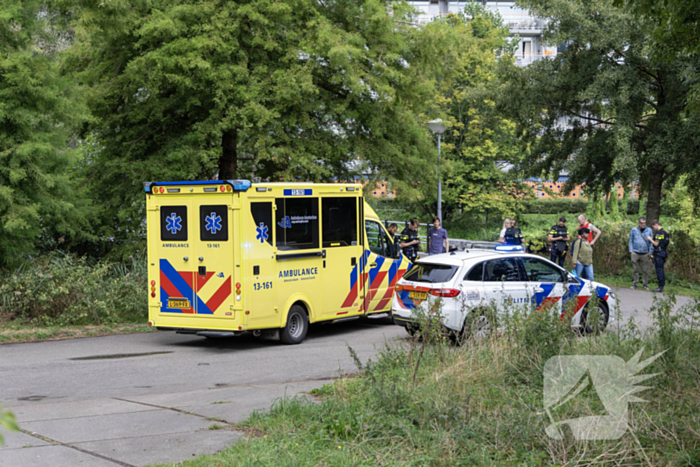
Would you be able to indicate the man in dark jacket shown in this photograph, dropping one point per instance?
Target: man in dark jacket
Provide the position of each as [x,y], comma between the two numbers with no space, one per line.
[409,240]
[660,241]
[559,236]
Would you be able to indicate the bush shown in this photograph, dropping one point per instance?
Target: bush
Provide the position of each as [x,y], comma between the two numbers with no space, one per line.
[554,206]
[66,290]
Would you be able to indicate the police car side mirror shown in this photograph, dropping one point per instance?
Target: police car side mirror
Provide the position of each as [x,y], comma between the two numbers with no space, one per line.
[571,279]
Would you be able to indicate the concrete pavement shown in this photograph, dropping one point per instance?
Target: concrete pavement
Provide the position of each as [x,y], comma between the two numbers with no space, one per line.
[147,398]
[150,398]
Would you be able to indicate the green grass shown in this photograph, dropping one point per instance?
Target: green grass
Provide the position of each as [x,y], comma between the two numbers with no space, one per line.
[431,403]
[15,333]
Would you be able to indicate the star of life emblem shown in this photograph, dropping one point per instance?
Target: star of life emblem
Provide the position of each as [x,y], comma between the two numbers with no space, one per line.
[262,233]
[173,223]
[213,223]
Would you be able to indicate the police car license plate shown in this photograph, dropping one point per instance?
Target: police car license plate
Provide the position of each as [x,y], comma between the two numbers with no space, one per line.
[418,295]
[178,303]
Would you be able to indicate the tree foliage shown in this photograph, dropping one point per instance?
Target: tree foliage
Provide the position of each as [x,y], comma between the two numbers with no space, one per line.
[294,90]
[39,110]
[603,109]
[479,140]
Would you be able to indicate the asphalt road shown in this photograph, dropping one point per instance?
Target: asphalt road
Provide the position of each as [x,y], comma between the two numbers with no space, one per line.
[149,398]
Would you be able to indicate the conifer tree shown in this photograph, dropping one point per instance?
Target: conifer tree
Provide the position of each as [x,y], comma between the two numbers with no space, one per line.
[38,112]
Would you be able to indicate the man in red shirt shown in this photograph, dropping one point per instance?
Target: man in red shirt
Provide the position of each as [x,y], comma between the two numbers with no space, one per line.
[584,224]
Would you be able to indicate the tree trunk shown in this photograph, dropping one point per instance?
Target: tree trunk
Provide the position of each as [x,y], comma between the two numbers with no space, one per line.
[656,181]
[228,164]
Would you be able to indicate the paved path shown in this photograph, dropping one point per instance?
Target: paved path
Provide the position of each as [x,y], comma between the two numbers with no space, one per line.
[150,398]
[635,303]
[152,401]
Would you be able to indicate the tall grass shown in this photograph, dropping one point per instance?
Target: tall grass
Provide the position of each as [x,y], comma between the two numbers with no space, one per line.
[429,402]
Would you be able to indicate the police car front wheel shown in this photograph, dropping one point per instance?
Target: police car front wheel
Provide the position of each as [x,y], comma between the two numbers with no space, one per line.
[297,326]
[597,321]
[476,325]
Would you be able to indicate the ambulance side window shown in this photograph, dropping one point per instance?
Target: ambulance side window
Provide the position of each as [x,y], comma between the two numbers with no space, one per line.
[173,223]
[297,224]
[262,215]
[213,223]
[339,218]
[377,240]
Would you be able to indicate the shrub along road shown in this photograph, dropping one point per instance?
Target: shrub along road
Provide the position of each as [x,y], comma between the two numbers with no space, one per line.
[160,397]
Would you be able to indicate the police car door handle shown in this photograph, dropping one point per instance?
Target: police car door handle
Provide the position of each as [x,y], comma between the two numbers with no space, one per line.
[539,290]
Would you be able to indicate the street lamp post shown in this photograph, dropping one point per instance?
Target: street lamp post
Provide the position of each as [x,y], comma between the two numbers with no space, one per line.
[438,128]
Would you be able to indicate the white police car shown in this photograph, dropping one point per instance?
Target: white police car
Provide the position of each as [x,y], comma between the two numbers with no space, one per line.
[504,276]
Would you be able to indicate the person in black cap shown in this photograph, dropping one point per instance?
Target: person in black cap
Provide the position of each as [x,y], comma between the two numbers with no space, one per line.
[409,240]
[559,236]
[660,241]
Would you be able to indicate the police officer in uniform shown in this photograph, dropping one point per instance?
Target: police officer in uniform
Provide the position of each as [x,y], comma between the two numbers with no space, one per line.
[394,245]
[559,236]
[409,240]
[660,241]
[513,235]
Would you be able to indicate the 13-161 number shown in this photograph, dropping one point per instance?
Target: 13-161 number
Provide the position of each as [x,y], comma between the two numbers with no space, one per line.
[262,285]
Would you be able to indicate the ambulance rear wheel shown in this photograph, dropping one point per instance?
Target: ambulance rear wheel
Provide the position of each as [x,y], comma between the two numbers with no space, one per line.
[297,326]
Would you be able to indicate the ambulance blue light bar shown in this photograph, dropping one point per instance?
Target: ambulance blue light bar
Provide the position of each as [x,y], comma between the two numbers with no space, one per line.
[237,185]
[509,248]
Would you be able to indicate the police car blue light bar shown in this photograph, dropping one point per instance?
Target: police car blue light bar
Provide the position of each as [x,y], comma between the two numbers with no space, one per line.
[509,248]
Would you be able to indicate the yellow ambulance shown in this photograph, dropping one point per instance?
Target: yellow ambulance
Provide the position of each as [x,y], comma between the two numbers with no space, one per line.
[228,257]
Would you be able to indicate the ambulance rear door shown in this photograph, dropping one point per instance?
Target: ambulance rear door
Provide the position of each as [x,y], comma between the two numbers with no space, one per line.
[173,244]
[214,261]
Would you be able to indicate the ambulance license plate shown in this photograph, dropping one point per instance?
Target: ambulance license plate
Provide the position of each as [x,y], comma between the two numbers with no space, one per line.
[179,303]
[418,295]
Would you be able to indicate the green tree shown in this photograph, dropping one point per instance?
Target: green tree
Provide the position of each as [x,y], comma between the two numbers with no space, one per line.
[39,110]
[479,141]
[603,109]
[194,89]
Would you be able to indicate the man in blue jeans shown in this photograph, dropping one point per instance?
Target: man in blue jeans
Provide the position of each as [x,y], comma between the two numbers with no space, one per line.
[640,249]
[582,255]
[436,236]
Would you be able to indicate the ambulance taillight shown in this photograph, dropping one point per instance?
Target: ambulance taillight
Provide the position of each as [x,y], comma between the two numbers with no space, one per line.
[153,289]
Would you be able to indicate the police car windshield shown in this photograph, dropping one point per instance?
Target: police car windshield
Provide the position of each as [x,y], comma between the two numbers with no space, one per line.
[432,273]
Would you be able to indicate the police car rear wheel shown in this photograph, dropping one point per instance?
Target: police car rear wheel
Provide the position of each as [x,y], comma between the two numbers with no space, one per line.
[297,326]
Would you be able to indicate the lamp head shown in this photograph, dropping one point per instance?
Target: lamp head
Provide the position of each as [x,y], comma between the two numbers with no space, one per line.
[437,127]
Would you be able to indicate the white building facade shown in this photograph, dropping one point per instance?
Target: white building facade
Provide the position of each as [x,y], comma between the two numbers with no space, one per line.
[520,22]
